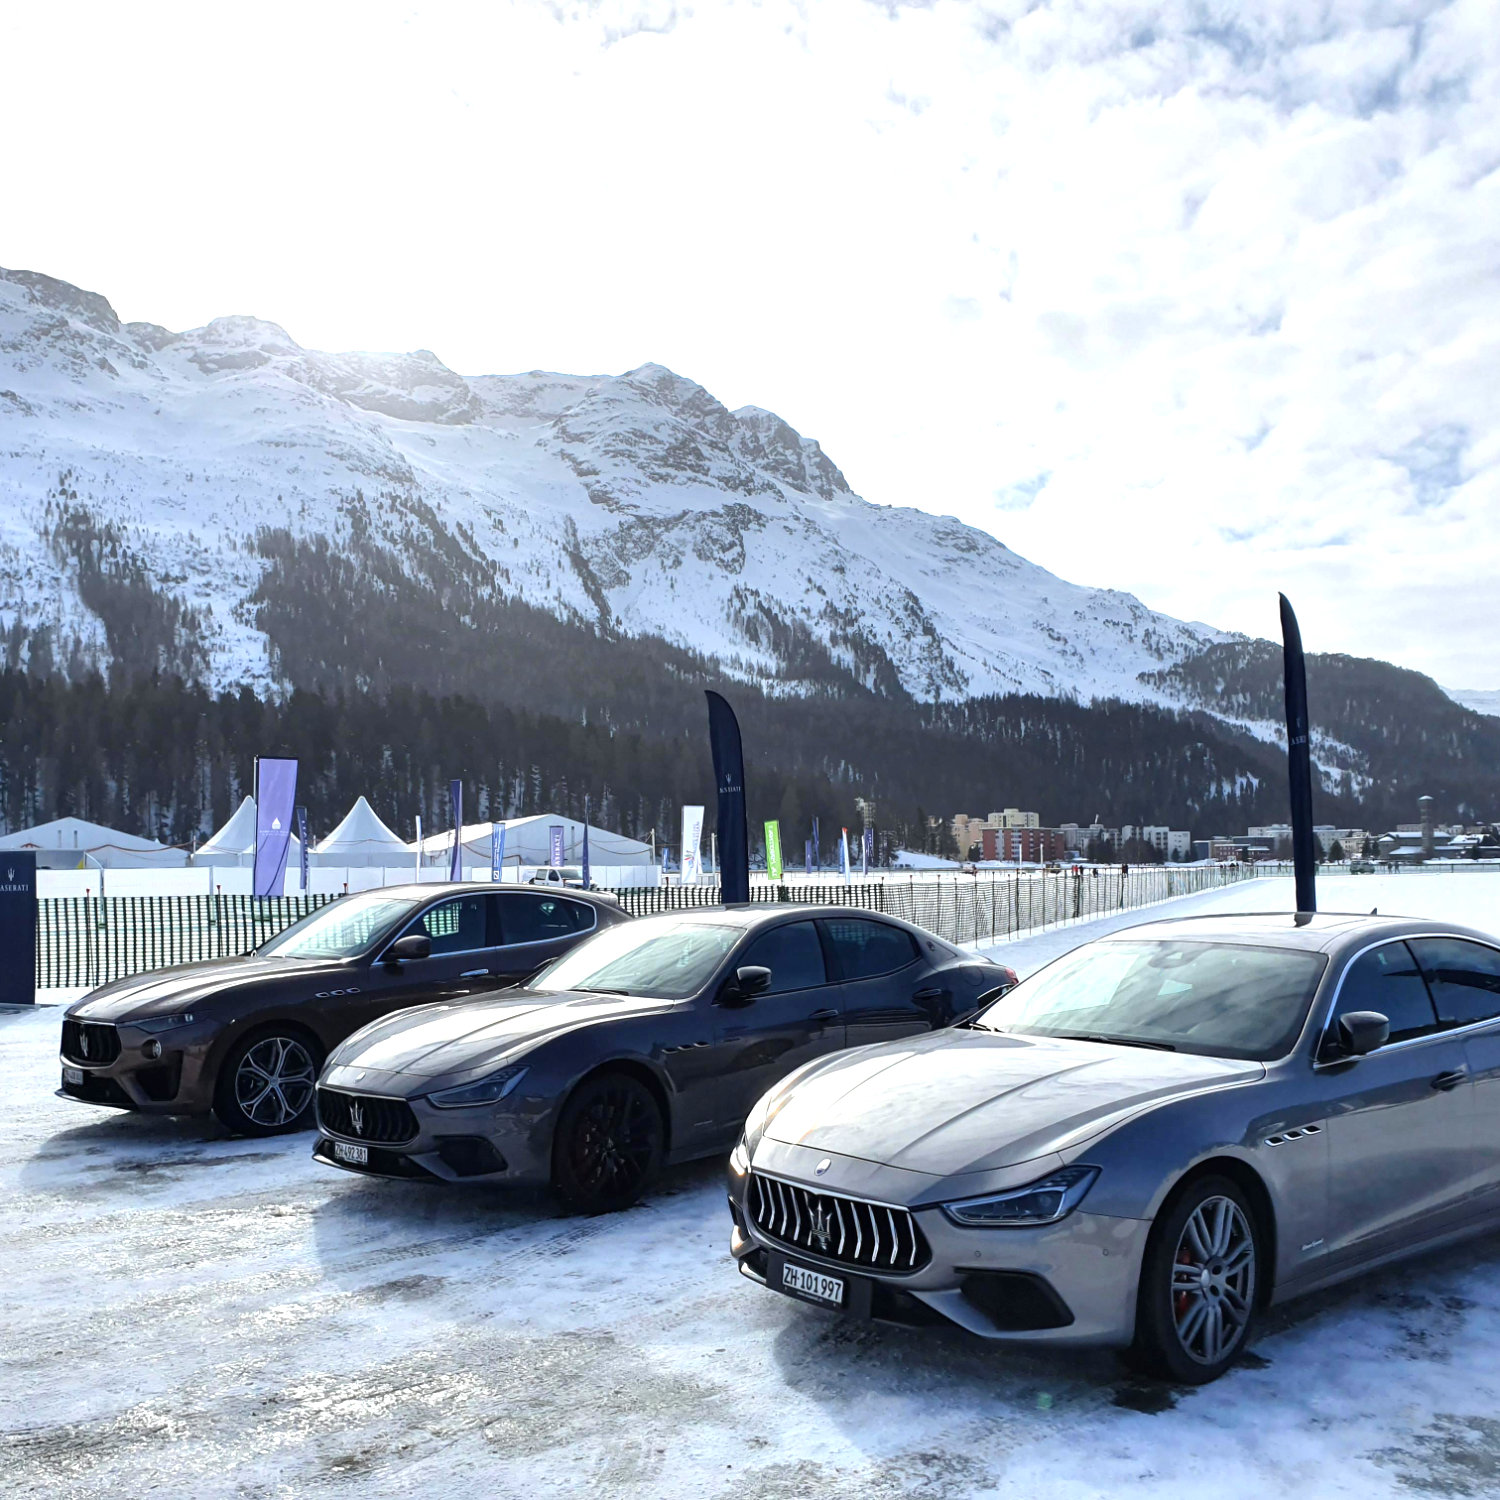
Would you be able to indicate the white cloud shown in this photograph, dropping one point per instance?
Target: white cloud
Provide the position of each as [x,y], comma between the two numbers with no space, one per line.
[1196,300]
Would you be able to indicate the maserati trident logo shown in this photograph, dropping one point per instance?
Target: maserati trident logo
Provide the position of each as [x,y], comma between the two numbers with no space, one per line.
[822,1226]
[822,1166]
[357,1118]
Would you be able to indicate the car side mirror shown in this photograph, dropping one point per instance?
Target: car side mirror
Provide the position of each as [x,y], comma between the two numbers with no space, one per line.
[748,982]
[413,946]
[1362,1031]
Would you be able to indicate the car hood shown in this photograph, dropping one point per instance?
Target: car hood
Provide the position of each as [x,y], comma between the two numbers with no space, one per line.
[971,1101]
[446,1038]
[168,991]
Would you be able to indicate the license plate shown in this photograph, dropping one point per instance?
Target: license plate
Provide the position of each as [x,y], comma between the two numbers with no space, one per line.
[357,1156]
[72,1075]
[814,1285]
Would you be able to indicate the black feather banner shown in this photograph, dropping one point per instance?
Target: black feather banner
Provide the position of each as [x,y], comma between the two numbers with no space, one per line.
[729,776]
[1299,760]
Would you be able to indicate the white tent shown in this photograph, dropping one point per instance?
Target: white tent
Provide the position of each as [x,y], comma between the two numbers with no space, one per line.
[528,841]
[362,840]
[71,843]
[234,843]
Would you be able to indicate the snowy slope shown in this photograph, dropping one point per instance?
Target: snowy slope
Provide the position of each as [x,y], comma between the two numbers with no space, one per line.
[637,501]
[1481,700]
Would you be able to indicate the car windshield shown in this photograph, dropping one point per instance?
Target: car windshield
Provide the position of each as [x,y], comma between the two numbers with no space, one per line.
[658,959]
[1219,999]
[342,929]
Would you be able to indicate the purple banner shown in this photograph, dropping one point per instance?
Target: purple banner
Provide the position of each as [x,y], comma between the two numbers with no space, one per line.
[275,807]
[557,844]
[302,842]
[456,807]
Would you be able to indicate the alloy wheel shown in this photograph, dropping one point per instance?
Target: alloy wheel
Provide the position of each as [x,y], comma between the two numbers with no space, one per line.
[614,1143]
[274,1082]
[1213,1280]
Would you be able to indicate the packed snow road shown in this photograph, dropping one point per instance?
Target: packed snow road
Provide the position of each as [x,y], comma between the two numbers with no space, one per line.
[186,1314]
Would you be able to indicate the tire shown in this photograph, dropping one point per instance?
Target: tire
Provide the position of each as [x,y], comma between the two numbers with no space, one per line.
[1197,1300]
[609,1144]
[265,1084]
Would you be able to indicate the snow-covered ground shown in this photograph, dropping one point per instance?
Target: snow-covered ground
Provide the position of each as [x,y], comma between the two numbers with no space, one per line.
[189,1315]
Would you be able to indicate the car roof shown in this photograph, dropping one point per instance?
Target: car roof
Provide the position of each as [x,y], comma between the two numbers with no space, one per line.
[414,891]
[754,913]
[1321,932]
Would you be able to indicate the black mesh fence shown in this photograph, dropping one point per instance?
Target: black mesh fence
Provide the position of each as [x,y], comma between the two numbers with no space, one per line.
[85,940]
[972,908]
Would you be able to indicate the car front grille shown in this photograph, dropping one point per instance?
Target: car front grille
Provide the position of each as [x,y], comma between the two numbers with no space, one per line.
[873,1236]
[92,1042]
[367,1117]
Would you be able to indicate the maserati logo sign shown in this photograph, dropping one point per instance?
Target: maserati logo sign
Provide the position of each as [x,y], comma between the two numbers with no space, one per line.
[83,1042]
[357,1118]
[822,1166]
[822,1226]
[10,875]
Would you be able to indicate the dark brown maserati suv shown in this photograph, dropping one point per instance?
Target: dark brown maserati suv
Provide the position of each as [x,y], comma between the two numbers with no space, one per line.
[244,1038]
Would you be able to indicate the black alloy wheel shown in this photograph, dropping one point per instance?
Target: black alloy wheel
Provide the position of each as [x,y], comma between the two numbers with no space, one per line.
[1199,1284]
[609,1144]
[266,1082]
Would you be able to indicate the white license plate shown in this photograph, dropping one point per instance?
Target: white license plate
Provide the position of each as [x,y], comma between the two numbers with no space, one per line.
[813,1284]
[72,1075]
[358,1156]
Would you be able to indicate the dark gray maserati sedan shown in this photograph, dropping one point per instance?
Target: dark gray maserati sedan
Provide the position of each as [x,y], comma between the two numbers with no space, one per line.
[1146,1142]
[646,1044]
[244,1037]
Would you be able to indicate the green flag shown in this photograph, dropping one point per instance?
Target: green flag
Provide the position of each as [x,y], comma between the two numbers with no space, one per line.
[773,851]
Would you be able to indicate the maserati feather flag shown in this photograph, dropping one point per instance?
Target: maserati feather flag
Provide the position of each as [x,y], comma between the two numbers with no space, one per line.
[275,807]
[587,879]
[555,840]
[729,777]
[456,807]
[1299,760]
[497,850]
[844,852]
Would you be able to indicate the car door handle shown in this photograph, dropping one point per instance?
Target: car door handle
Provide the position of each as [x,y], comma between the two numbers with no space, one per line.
[473,973]
[1450,1079]
[824,1015]
[932,992]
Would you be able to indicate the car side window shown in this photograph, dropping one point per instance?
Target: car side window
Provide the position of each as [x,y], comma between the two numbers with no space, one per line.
[1464,978]
[456,926]
[1387,980]
[527,918]
[865,949]
[792,953]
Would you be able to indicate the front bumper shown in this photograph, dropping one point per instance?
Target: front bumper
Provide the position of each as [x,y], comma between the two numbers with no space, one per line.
[1073,1282]
[178,1082]
[507,1143]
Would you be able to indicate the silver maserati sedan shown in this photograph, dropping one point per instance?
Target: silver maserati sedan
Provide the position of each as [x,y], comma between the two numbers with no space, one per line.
[1145,1143]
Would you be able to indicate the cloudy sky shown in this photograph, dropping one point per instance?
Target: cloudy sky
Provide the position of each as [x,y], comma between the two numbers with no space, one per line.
[1197,300]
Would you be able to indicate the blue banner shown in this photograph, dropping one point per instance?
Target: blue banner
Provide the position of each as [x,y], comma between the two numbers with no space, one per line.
[275,804]
[729,775]
[497,850]
[869,850]
[817,852]
[456,809]
[18,927]
[586,884]
[1299,760]
[556,832]
[807,847]
[302,843]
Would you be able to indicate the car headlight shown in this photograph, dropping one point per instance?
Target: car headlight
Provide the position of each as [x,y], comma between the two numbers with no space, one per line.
[739,1158]
[164,1023]
[1043,1202]
[489,1090]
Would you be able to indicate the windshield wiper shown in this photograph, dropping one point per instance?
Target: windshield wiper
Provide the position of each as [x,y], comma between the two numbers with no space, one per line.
[1119,1041]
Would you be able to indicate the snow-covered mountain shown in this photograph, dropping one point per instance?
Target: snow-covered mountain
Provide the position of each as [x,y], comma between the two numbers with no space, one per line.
[1480,700]
[637,502]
